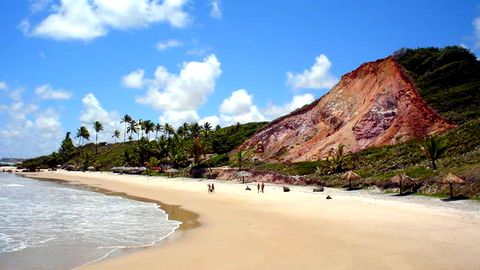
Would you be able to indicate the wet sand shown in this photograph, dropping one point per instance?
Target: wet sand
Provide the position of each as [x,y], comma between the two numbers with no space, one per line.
[242,229]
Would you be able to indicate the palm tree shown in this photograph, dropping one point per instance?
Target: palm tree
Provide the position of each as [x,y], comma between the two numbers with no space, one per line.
[126,120]
[169,129]
[183,130]
[82,135]
[333,163]
[158,128]
[197,149]
[141,128]
[98,127]
[195,130]
[132,128]
[207,127]
[433,148]
[149,126]
[116,135]
[240,156]
[79,136]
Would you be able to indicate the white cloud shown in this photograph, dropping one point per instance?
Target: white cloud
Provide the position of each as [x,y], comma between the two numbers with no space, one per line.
[134,79]
[183,92]
[47,92]
[177,118]
[317,77]
[216,10]
[37,6]
[273,111]
[3,86]
[213,120]
[198,51]
[48,123]
[16,94]
[476,25]
[29,131]
[239,107]
[168,44]
[90,19]
[238,103]
[93,111]
[24,26]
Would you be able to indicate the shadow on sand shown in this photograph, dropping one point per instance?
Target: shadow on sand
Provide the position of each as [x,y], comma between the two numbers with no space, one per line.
[455,198]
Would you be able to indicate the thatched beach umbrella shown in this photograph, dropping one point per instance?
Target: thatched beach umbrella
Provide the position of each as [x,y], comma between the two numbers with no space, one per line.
[451,179]
[350,175]
[171,171]
[91,168]
[243,174]
[402,180]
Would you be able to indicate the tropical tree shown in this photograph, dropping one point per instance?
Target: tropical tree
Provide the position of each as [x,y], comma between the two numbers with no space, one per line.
[195,130]
[82,135]
[148,126]
[132,128]
[67,149]
[334,163]
[207,127]
[169,130]
[197,149]
[126,120]
[433,148]
[116,135]
[158,128]
[98,127]
[78,136]
[240,156]
[141,128]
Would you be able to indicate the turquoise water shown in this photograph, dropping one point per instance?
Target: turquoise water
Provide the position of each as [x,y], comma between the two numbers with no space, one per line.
[49,225]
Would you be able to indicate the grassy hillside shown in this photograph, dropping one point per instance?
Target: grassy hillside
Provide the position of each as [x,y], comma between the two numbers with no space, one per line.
[174,150]
[448,80]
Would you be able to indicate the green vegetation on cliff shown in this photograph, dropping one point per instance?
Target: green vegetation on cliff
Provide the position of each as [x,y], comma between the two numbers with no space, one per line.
[448,79]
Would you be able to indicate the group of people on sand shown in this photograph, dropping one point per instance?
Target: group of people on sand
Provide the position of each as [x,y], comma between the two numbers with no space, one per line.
[260,187]
[211,188]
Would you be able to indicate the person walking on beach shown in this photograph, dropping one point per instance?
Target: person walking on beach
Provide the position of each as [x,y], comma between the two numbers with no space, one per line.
[209,188]
[258,188]
[213,188]
[262,187]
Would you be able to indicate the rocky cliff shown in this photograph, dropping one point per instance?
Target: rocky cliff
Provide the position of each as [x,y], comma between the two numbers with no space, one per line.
[376,104]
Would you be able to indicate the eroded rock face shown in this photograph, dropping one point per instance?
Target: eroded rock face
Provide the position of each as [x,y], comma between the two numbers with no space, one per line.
[376,104]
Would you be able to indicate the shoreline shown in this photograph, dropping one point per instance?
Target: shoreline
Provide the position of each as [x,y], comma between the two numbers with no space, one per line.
[187,218]
[279,230]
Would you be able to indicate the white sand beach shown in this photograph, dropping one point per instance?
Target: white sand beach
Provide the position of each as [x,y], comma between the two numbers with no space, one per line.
[242,229]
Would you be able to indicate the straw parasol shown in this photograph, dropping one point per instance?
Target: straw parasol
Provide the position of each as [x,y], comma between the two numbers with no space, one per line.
[402,180]
[350,175]
[243,174]
[171,171]
[451,179]
[91,168]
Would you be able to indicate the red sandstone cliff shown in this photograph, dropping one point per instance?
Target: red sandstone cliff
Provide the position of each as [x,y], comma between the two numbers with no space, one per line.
[376,104]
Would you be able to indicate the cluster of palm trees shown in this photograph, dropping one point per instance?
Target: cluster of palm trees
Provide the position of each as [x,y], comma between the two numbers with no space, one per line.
[83,134]
[141,127]
[170,144]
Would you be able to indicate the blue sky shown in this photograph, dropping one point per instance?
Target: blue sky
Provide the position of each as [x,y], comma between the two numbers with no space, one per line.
[71,62]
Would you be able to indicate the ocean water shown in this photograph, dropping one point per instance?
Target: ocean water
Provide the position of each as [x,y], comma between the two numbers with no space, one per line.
[55,226]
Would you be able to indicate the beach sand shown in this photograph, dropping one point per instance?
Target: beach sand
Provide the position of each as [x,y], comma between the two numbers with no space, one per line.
[242,229]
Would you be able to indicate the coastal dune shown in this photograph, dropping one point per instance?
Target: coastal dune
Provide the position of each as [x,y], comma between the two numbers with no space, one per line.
[241,229]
